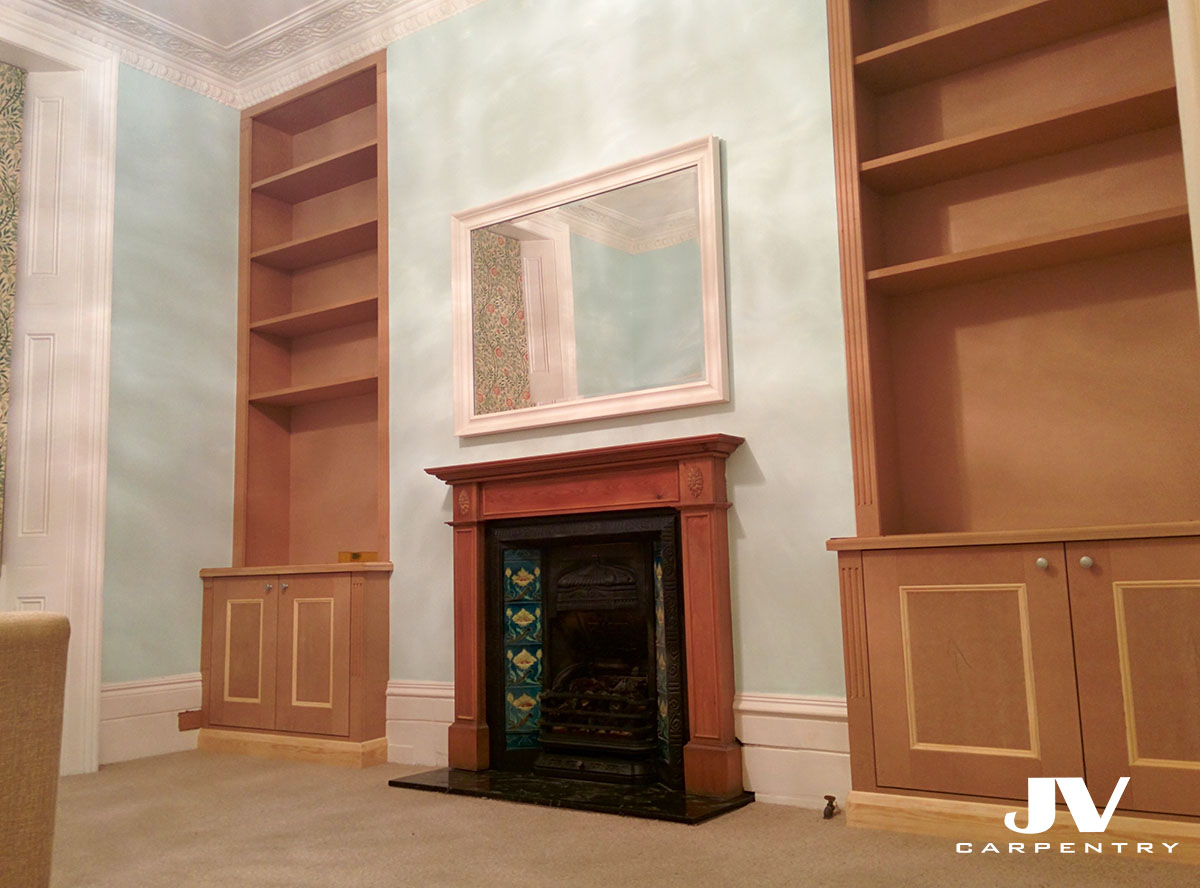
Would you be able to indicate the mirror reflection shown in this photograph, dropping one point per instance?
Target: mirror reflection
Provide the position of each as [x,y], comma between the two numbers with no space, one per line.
[596,297]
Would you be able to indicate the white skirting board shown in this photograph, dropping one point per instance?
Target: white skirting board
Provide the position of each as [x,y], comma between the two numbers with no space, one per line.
[418,714]
[141,718]
[795,749]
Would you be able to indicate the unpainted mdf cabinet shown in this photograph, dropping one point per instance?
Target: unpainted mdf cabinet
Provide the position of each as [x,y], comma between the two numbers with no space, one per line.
[992,664]
[1023,349]
[303,653]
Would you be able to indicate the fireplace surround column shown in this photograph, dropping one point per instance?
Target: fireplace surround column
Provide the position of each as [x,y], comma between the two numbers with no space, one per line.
[468,741]
[687,474]
[712,757]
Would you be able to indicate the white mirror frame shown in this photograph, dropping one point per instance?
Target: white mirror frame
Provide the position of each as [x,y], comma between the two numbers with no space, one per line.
[704,155]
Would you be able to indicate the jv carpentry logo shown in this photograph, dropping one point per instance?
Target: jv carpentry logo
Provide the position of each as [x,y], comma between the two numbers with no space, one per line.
[1083,810]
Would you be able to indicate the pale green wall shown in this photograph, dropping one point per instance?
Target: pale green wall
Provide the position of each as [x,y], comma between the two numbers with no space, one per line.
[638,316]
[171,397]
[511,95]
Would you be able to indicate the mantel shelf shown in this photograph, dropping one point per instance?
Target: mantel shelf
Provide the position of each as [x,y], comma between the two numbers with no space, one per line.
[310,394]
[322,176]
[1107,238]
[306,252]
[1063,130]
[989,37]
[317,320]
[623,455]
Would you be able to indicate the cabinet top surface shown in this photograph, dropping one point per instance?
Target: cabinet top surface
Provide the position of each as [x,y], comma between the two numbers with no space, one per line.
[272,570]
[1004,537]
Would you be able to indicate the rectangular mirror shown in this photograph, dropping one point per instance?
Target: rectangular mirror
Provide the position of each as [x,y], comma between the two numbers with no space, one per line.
[600,296]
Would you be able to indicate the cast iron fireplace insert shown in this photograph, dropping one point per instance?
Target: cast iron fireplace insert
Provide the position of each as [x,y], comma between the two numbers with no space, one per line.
[585,647]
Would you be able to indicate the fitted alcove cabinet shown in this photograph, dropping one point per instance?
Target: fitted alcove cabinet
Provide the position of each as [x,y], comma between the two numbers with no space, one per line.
[1022,595]
[299,614]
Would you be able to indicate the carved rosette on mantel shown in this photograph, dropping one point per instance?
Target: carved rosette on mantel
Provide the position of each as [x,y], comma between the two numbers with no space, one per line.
[687,474]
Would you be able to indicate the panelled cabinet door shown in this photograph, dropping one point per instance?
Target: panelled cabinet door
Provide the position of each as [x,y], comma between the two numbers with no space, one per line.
[1136,609]
[313,684]
[972,672]
[242,692]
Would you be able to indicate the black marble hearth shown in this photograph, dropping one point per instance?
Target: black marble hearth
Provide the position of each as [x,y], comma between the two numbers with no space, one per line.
[653,801]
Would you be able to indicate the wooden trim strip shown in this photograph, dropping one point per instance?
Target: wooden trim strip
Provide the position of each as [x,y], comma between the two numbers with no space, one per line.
[293,569]
[345,753]
[976,822]
[1005,537]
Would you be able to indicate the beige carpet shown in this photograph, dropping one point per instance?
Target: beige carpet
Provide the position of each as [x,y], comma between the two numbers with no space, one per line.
[197,819]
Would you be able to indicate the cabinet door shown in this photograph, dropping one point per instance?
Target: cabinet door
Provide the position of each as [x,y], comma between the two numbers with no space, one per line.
[242,689]
[313,686]
[1136,607]
[972,672]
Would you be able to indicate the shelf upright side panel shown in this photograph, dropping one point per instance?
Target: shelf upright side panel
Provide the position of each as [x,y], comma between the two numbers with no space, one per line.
[854,205]
[241,457]
[383,497]
[1185,43]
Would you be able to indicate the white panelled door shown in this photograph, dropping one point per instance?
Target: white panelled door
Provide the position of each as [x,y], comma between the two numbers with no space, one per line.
[41,508]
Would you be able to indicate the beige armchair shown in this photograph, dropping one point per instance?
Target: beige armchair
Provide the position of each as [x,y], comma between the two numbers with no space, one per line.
[33,669]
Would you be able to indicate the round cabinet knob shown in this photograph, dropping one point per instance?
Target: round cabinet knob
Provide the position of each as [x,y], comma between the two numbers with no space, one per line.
[283,587]
[267,587]
[1042,563]
[1086,562]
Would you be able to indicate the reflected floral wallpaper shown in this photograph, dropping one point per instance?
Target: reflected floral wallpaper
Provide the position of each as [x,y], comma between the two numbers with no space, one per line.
[501,344]
[12,107]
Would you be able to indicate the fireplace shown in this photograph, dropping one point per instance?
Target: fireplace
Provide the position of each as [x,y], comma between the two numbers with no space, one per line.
[566,508]
[585,648]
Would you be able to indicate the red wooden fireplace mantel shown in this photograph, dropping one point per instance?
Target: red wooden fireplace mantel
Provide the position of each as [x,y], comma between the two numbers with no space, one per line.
[687,474]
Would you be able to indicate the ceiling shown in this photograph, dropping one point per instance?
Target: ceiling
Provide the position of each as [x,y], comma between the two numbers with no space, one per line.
[242,52]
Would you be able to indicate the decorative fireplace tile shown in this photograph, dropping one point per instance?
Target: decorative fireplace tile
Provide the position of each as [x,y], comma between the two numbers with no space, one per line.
[522,575]
[522,664]
[522,622]
[522,711]
[523,638]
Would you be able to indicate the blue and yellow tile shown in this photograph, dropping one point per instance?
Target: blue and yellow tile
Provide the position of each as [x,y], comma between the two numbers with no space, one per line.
[522,708]
[522,664]
[522,575]
[522,622]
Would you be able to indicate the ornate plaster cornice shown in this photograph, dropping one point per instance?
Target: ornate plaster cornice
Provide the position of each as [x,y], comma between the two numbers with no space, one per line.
[319,38]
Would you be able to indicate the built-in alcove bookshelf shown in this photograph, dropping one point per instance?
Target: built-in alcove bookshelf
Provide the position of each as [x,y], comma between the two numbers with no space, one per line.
[1023,353]
[1021,299]
[313,445]
[295,636]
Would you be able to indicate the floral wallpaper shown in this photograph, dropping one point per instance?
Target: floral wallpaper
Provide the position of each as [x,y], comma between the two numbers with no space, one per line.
[12,109]
[498,319]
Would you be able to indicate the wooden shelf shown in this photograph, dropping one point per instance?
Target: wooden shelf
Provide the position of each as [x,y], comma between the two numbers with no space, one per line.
[321,176]
[330,102]
[1103,239]
[1069,128]
[311,394]
[306,252]
[989,37]
[316,320]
